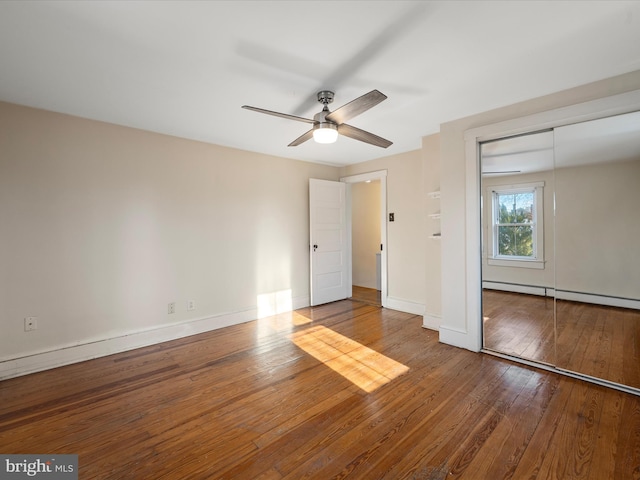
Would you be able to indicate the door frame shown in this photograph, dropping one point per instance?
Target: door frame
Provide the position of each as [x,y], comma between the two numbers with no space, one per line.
[363,177]
[471,307]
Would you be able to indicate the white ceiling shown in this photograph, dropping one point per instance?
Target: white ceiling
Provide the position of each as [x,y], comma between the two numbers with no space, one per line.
[185,68]
[518,155]
[610,139]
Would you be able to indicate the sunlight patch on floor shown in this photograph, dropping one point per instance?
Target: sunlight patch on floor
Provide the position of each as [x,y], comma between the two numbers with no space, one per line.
[359,364]
[285,321]
[281,323]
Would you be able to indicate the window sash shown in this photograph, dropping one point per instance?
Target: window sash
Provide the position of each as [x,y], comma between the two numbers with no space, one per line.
[536,236]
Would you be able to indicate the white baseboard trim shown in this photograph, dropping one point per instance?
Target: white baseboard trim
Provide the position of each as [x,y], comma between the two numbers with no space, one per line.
[598,299]
[405,306]
[455,337]
[67,355]
[564,295]
[511,287]
[432,322]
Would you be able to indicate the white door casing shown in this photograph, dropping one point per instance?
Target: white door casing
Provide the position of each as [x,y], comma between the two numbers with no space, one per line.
[329,241]
[380,175]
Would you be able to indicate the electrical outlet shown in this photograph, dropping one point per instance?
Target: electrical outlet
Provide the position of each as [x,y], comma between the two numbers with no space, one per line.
[30,324]
[191,305]
[172,308]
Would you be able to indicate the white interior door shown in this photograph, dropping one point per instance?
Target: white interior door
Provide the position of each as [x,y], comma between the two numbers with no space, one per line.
[329,241]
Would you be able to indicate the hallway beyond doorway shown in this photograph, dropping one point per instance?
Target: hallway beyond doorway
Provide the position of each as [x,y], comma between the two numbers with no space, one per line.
[367,295]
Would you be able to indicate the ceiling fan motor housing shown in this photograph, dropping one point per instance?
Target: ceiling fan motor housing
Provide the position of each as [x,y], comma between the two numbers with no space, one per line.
[321,122]
[324,131]
[325,97]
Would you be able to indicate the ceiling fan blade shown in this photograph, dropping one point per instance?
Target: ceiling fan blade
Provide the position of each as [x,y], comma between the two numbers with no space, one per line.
[357,134]
[301,139]
[278,114]
[356,107]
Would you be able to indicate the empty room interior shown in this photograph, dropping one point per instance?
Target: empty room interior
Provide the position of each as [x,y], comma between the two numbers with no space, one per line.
[285,240]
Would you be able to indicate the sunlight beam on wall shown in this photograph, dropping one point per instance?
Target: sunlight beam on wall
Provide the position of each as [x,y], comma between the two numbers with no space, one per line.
[275,314]
[274,303]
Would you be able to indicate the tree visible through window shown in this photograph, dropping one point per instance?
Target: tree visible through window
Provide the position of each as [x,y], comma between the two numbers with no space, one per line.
[516,236]
[515,224]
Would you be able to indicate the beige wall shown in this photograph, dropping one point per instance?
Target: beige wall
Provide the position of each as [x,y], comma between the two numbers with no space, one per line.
[598,229]
[406,235]
[102,226]
[456,317]
[433,246]
[365,238]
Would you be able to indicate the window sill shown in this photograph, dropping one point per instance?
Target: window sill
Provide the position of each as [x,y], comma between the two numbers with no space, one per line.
[536,264]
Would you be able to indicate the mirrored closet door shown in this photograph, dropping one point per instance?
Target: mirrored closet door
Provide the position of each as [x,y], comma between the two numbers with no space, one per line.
[597,238]
[517,246]
[561,247]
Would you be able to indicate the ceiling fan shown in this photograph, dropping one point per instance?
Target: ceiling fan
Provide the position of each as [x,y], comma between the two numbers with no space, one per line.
[327,125]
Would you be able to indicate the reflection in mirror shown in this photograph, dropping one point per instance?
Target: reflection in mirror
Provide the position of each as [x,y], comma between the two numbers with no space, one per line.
[517,246]
[597,179]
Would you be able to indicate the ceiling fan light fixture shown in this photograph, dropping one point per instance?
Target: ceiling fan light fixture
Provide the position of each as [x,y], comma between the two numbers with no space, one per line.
[325,133]
[327,125]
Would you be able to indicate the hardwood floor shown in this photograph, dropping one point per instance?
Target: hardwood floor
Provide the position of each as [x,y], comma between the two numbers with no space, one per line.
[366,295]
[344,390]
[599,341]
[519,325]
[595,340]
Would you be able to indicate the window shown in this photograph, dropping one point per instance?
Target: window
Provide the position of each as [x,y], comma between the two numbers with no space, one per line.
[514,224]
[517,226]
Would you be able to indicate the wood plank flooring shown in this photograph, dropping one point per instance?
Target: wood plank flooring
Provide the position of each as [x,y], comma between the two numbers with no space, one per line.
[341,391]
[599,341]
[519,325]
[594,340]
[366,295]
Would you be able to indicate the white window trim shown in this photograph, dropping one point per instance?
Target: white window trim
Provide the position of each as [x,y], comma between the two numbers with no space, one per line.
[537,261]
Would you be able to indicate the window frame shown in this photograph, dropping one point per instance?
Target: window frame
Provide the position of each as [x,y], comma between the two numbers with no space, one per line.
[537,259]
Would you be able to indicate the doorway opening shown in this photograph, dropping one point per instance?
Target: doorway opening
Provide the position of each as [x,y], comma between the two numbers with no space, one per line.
[366,218]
